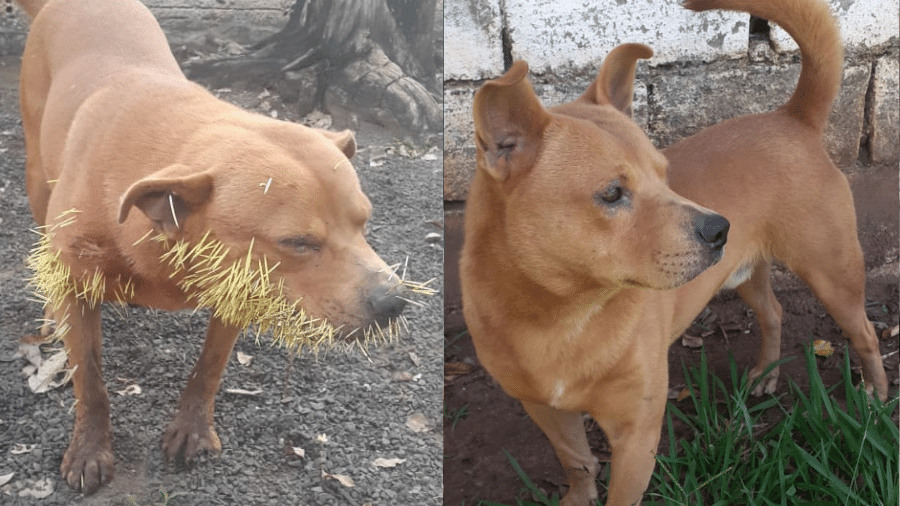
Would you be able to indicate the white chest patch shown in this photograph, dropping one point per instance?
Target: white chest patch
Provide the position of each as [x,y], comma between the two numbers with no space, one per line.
[558,391]
[738,277]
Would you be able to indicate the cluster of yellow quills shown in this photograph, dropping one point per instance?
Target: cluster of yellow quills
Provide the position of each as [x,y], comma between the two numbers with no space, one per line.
[239,292]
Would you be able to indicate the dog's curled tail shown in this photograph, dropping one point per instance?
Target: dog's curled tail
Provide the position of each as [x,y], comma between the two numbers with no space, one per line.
[31,7]
[812,25]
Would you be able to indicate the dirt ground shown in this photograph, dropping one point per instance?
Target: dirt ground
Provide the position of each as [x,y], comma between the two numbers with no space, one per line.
[475,467]
[343,410]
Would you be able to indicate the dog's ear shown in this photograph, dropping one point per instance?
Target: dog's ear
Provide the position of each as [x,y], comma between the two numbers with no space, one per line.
[168,196]
[509,123]
[615,83]
[344,140]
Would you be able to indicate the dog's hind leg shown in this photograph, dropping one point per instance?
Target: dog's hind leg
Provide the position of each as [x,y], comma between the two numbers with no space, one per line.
[838,281]
[565,430]
[757,293]
[829,259]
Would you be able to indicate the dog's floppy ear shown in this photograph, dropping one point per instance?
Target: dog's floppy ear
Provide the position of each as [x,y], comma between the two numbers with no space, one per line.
[509,123]
[615,83]
[168,196]
[344,140]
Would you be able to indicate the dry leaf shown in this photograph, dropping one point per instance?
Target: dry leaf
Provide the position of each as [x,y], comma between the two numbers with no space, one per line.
[457,368]
[685,393]
[414,358]
[417,422]
[380,462]
[402,376]
[40,490]
[130,390]
[300,452]
[244,359]
[30,349]
[689,341]
[340,478]
[21,448]
[823,348]
[322,438]
[43,379]
[4,479]
[894,332]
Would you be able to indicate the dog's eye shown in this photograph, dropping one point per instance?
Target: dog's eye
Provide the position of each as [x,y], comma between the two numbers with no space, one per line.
[300,243]
[612,194]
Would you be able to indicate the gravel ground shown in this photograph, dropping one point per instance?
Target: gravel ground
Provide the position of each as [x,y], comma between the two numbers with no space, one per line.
[344,410]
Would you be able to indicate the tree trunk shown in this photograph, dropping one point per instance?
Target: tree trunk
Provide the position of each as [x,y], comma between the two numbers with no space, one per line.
[367,59]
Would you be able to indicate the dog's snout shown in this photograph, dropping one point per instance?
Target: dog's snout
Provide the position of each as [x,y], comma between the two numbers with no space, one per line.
[385,302]
[712,229]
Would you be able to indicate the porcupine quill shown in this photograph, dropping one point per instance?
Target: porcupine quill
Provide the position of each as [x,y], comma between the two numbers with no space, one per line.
[239,292]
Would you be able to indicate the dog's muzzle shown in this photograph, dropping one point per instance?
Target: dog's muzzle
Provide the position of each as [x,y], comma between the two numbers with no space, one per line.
[385,302]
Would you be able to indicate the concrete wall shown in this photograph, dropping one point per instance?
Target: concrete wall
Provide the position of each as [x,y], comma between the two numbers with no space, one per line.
[186,22]
[706,68]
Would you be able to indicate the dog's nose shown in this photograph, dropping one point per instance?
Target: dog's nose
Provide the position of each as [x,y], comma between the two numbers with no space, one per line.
[385,302]
[712,230]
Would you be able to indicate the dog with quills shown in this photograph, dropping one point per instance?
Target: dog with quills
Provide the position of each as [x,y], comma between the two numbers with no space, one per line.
[147,190]
[587,251]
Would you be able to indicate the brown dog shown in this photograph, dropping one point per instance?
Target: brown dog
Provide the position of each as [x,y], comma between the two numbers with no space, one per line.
[581,264]
[120,146]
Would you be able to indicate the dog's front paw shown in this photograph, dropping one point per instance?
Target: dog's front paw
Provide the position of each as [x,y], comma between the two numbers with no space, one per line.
[187,436]
[582,488]
[88,463]
[768,384]
[579,498]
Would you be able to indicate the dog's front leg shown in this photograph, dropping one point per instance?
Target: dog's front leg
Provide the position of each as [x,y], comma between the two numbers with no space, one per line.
[565,430]
[192,430]
[88,463]
[634,440]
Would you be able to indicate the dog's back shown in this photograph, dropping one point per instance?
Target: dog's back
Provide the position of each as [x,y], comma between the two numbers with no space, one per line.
[73,50]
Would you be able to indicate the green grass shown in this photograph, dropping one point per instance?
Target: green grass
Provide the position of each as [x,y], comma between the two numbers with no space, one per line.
[453,416]
[802,448]
[451,342]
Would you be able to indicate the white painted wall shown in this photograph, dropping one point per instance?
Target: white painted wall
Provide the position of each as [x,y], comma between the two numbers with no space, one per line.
[552,34]
[866,23]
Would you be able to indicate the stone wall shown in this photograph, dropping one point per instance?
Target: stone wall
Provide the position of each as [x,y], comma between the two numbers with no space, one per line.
[707,67]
